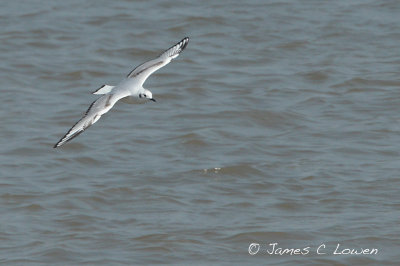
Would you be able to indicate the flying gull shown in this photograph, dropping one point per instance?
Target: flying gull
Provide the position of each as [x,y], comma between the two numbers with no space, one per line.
[129,90]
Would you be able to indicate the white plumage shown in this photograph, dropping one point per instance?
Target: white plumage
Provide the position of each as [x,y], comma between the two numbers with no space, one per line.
[130,89]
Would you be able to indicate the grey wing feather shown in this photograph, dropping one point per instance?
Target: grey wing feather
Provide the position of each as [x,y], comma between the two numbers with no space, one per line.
[93,113]
[143,71]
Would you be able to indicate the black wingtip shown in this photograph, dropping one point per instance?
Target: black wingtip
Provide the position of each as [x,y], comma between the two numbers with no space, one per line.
[56,145]
[184,41]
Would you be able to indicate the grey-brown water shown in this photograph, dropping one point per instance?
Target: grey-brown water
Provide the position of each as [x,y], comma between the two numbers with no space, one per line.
[278,124]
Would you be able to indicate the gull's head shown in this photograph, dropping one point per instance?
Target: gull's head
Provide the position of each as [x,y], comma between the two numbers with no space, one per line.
[148,95]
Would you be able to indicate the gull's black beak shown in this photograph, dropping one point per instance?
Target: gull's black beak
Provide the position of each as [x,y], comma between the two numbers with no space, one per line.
[152,99]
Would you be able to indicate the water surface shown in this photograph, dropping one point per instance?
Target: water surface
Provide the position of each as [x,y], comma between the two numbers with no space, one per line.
[278,124]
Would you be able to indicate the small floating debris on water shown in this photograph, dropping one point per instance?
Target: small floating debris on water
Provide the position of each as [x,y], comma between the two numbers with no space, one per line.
[215,169]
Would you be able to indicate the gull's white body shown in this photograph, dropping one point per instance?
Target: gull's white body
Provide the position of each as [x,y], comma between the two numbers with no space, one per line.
[129,90]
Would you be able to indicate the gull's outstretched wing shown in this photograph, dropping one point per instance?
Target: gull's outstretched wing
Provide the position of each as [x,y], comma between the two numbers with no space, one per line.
[142,72]
[99,107]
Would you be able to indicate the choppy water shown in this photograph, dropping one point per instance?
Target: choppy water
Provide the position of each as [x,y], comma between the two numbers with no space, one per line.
[278,124]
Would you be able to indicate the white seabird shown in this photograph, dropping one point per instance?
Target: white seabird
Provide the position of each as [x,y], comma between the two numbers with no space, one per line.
[129,89]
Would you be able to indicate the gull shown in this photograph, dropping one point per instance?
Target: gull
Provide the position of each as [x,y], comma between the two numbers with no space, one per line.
[130,90]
